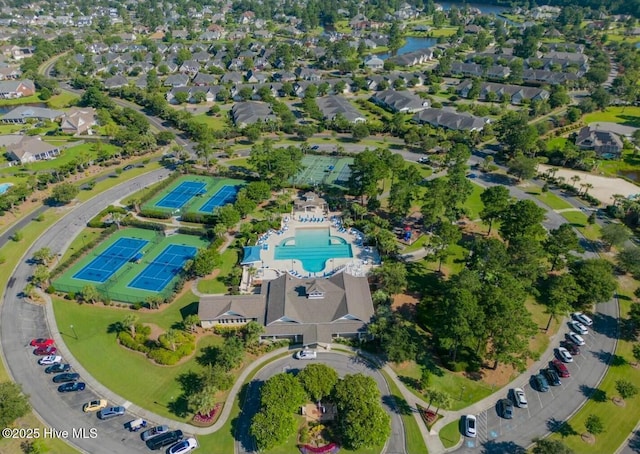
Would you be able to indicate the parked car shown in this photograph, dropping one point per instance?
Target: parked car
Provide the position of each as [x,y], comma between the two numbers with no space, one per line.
[582,318]
[306,354]
[45,351]
[423,160]
[578,327]
[128,167]
[57,369]
[49,360]
[564,355]
[136,424]
[577,339]
[541,383]
[94,405]
[154,432]
[183,446]
[561,368]
[111,412]
[520,398]
[470,426]
[41,342]
[505,408]
[552,376]
[569,345]
[63,378]
[71,387]
[165,439]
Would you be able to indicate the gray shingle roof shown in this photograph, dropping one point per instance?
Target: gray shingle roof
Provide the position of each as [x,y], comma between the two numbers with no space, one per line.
[332,105]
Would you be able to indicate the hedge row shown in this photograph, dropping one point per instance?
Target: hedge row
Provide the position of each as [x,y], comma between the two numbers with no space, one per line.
[198,218]
[97,223]
[132,222]
[156,214]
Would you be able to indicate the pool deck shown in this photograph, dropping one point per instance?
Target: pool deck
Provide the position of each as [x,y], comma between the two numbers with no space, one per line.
[364,257]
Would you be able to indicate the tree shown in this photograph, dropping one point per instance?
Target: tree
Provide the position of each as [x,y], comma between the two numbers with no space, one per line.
[594,424]
[523,219]
[514,131]
[496,200]
[171,337]
[560,242]
[360,130]
[628,260]
[43,255]
[595,280]
[230,353]
[523,167]
[363,422]
[392,277]
[601,98]
[615,234]
[562,294]
[318,380]
[439,399]
[64,193]
[252,332]
[41,275]
[203,401]
[204,262]
[228,215]
[550,446]
[283,392]
[446,235]
[13,404]
[271,428]
[190,322]
[398,342]
[129,323]
[90,293]
[626,389]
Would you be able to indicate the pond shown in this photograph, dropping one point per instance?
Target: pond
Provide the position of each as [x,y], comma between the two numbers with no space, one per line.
[6,109]
[412,43]
[633,175]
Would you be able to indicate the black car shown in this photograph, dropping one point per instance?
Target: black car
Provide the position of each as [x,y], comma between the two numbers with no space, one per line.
[552,376]
[71,387]
[166,439]
[541,383]
[571,347]
[129,167]
[63,378]
[57,369]
[505,408]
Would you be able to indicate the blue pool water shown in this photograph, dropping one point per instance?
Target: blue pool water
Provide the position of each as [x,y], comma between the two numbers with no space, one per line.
[313,247]
[4,187]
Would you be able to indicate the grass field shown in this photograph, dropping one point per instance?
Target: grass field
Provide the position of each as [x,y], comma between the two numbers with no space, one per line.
[116,287]
[579,220]
[159,390]
[450,434]
[627,115]
[228,259]
[217,123]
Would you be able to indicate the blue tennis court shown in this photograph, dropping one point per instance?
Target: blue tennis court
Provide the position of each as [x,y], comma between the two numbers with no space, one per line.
[111,260]
[181,194]
[226,194]
[165,267]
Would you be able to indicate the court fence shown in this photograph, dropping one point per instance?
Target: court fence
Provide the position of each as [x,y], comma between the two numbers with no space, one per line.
[108,293]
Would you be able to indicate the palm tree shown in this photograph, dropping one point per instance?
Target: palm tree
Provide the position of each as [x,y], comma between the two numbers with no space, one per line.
[575,179]
[617,199]
[171,337]
[129,322]
[587,186]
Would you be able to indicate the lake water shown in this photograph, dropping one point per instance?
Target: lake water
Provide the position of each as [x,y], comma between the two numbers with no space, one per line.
[6,109]
[412,43]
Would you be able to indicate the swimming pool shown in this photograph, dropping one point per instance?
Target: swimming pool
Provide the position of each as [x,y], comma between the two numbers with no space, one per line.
[313,247]
[4,187]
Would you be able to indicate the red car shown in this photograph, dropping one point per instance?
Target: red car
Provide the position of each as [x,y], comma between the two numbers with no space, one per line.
[41,342]
[561,368]
[45,351]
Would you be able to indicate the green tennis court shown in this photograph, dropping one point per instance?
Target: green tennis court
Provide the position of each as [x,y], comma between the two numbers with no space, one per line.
[118,285]
[331,170]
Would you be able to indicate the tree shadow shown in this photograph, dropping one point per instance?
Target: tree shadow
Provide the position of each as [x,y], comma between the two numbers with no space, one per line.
[502,447]
[609,358]
[368,361]
[605,325]
[594,394]
[114,328]
[208,355]
[634,441]
[190,382]
[179,407]
[249,406]
[562,428]
[397,405]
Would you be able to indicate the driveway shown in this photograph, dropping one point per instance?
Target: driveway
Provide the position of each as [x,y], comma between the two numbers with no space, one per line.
[344,365]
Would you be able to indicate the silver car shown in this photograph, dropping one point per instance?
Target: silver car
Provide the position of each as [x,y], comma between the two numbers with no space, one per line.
[154,432]
[520,398]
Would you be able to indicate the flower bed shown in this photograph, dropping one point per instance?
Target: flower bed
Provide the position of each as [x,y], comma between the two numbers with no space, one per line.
[208,419]
[331,448]
[428,416]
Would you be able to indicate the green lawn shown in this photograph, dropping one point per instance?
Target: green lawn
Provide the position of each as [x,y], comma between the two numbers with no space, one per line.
[579,220]
[422,241]
[214,122]
[239,162]
[64,99]
[153,387]
[17,101]
[556,143]
[628,166]
[627,115]
[550,199]
[618,421]
[450,434]
[412,435]
[228,259]
[474,204]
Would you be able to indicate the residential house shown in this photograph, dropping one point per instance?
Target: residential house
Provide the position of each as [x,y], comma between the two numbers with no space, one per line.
[517,94]
[548,77]
[10,73]
[232,77]
[414,58]
[21,114]
[204,79]
[400,101]
[450,120]
[310,311]
[334,105]
[78,120]
[605,143]
[374,63]
[176,80]
[117,81]
[30,149]
[11,89]
[249,112]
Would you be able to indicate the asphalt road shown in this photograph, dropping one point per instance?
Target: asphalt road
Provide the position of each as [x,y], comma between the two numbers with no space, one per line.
[343,365]
[21,321]
[546,411]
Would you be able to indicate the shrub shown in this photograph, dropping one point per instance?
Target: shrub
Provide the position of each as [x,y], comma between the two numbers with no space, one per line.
[50,290]
[162,356]
[125,339]
[156,214]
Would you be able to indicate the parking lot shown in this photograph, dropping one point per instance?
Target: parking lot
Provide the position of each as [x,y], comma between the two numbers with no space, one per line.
[547,410]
